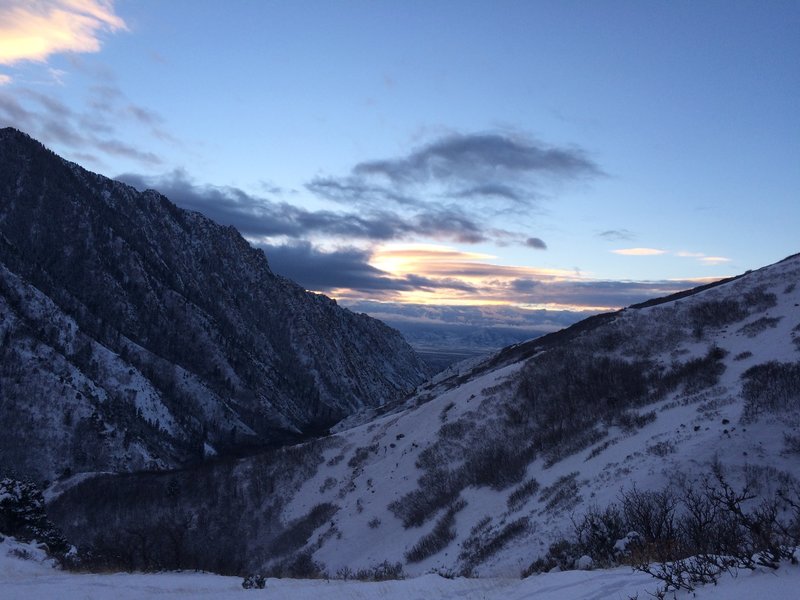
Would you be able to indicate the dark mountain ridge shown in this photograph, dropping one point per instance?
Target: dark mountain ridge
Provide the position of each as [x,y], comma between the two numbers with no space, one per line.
[137,334]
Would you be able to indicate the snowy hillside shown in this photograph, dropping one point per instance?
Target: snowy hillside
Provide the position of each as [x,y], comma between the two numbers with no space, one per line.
[26,573]
[490,463]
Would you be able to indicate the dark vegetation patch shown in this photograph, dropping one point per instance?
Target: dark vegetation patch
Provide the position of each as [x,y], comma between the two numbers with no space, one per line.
[23,515]
[695,374]
[486,541]
[437,540]
[759,326]
[563,494]
[222,517]
[521,494]
[771,387]
[713,314]
[297,533]
[361,455]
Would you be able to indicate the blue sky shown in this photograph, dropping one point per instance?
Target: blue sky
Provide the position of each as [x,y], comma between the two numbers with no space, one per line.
[526,154]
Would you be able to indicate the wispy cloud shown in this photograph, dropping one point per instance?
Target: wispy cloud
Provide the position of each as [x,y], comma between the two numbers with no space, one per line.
[481,164]
[617,235]
[704,258]
[699,256]
[86,134]
[261,217]
[639,251]
[714,260]
[485,168]
[4,79]
[478,176]
[36,30]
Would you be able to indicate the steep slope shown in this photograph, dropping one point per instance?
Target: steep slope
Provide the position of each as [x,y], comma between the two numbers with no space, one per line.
[136,334]
[486,465]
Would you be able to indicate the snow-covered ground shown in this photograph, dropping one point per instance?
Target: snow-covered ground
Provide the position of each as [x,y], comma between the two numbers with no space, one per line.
[36,578]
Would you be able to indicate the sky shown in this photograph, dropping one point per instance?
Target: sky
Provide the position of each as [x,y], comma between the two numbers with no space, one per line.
[514,155]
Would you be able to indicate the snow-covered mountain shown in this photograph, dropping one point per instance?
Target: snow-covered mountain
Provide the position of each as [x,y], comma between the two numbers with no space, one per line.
[490,462]
[137,335]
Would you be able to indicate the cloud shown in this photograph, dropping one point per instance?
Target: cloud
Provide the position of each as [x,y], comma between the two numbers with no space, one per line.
[639,251]
[617,235]
[488,190]
[36,30]
[348,269]
[480,158]
[714,260]
[490,170]
[4,79]
[438,275]
[51,121]
[468,179]
[704,258]
[534,242]
[260,217]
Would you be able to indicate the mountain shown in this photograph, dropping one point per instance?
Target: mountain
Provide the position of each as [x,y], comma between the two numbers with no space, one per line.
[492,462]
[137,335]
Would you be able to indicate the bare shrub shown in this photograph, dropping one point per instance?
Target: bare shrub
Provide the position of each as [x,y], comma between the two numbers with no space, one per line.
[662,448]
[522,493]
[689,537]
[562,494]
[478,548]
[791,443]
[759,325]
[437,540]
[770,387]
[436,490]
[297,533]
[361,455]
[633,420]
[696,374]
[714,314]
[384,571]
[759,299]
[496,465]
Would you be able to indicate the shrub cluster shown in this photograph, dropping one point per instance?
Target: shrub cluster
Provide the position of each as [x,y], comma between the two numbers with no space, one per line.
[437,540]
[684,539]
[715,314]
[771,387]
[483,542]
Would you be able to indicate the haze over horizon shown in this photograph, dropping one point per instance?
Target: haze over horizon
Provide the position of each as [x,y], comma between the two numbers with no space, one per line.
[438,161]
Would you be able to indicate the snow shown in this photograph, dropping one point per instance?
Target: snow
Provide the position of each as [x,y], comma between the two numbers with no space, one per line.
[690,432]
[36,577]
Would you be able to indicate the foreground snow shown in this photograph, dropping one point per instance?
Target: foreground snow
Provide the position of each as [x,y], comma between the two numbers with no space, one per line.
[36,577]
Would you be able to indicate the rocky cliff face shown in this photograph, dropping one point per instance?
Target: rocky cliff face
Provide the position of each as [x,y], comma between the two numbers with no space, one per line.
[137,334]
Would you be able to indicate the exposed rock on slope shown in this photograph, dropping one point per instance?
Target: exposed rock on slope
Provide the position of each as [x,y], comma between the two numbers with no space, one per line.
[139,335]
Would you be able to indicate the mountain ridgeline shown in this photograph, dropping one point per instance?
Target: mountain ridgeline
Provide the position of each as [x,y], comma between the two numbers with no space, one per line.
[137,335]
